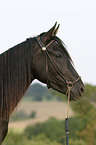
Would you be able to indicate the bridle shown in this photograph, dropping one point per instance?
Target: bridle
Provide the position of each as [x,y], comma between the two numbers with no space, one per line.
[69,84]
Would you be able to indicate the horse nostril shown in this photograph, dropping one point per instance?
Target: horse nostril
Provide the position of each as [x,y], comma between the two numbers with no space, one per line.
[82,90]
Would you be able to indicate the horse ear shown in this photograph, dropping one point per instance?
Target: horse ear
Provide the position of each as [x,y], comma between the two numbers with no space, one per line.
[50,33]
[56,30]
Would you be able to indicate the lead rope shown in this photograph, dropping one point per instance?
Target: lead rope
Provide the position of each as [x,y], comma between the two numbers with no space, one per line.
[67,118]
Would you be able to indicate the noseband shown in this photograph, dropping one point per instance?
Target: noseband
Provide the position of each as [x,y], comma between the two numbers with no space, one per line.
[69,84]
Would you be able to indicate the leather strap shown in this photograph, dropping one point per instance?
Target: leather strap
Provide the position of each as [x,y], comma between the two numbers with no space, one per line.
[44,48]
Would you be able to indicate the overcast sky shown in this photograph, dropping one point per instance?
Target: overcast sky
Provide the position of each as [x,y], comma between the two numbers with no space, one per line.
[20,19]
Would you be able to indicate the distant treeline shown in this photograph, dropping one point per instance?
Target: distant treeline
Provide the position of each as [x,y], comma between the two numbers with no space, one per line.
[37,92]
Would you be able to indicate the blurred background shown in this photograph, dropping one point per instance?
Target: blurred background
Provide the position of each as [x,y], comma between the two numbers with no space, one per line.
[45,110]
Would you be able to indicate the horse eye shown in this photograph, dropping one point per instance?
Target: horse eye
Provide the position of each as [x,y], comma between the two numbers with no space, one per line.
[58,55]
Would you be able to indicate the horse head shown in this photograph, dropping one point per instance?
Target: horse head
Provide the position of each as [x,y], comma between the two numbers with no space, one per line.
[53,65]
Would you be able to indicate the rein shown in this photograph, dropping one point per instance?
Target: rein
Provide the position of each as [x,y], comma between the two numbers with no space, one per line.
[70,84]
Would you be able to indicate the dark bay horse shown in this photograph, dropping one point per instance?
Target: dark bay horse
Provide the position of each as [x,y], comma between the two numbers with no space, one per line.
[44,58]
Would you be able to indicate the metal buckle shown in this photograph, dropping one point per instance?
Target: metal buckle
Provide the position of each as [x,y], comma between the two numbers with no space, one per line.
[69,85]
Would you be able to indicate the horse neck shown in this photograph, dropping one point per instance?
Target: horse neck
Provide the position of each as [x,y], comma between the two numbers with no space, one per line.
[16,75]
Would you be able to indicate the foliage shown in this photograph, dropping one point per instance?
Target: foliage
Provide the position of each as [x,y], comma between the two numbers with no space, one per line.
[21,115]
[77,142]
[16,116]
[53,129]
[87,112]
[90,92]
[20,139]
[82,107]
[37,92]
[49,133]
[33,114]
[82,126]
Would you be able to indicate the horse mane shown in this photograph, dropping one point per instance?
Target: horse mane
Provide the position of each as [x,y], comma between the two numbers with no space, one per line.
[15,75]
